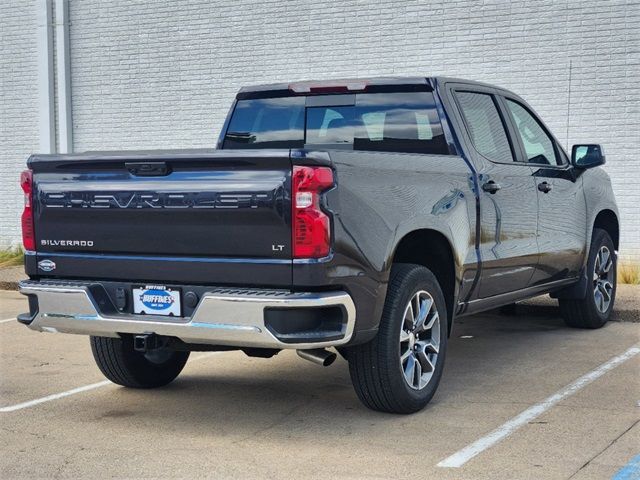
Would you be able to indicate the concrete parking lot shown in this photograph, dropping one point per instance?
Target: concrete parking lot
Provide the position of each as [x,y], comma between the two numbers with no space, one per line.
[231,416]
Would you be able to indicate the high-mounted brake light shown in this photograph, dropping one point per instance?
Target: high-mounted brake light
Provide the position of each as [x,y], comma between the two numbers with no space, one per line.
[28,234]
[311,226]
[337,86]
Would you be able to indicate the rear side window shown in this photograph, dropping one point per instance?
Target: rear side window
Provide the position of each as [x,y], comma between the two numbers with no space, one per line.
[394,122]
[391,122]
[485,126]
[267,123]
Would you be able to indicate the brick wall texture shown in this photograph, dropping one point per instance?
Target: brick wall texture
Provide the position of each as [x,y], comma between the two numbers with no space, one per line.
[161,74]
[19,135]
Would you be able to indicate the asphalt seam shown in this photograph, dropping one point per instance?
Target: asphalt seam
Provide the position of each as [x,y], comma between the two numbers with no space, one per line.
[609,445]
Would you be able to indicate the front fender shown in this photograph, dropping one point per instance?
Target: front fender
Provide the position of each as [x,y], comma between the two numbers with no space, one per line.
[599,197]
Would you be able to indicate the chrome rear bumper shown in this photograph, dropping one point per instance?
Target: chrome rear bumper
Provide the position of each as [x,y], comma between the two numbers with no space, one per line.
[224,316]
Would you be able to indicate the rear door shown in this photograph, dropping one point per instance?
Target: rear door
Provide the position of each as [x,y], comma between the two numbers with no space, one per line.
[508,199]
[561,202]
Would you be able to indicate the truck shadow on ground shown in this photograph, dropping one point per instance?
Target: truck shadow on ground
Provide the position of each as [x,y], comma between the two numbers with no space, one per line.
[286,395]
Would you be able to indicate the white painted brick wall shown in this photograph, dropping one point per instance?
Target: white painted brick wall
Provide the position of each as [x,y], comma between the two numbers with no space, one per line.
[158,74]
[18,109]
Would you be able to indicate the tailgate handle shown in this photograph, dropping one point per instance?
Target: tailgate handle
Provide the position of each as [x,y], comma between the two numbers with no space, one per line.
[147,169]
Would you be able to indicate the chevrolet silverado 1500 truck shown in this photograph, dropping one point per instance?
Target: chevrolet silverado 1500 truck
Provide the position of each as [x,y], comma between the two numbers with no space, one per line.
[364,215]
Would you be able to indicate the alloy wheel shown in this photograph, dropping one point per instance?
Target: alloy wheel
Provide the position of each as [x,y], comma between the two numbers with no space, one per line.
[603,279]
[419,340]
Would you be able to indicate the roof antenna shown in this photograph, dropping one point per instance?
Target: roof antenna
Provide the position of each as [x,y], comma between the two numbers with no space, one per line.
[569,104]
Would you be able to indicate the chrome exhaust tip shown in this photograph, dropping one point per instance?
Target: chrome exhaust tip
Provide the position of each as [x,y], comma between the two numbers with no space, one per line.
[319,356]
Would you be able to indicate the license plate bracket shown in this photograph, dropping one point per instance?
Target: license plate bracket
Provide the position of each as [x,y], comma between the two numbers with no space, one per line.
[157,300]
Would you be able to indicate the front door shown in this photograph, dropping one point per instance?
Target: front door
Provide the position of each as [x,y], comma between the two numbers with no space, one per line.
[561,203]
[508,198]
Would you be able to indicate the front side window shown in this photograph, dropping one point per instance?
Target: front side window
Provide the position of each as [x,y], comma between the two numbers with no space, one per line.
[390,122]
[485,126]
[538,144]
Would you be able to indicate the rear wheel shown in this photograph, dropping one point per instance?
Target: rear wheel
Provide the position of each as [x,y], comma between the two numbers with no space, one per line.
[594,310]
[400,369]
[122,364]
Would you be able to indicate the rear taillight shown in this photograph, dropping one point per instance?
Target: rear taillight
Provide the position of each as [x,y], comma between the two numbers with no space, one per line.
[311,226]
[28,235]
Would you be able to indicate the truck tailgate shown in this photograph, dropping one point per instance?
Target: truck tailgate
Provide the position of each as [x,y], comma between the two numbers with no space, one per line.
[176,208]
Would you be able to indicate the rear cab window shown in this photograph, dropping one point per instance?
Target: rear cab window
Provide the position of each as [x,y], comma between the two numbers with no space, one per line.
[267,123]
[391,122]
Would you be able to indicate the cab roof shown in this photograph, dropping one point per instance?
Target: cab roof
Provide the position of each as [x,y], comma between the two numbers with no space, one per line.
[349,85]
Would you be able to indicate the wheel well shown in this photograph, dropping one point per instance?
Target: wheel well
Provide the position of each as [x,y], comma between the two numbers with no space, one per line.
[432,250]
[608,221]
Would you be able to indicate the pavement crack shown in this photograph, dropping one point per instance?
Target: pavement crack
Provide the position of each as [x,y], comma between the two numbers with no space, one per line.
[41,436]
[66,461]
[604,449]
[283,418]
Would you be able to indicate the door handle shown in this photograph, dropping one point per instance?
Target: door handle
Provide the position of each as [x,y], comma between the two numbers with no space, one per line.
[544,187]
[491,187]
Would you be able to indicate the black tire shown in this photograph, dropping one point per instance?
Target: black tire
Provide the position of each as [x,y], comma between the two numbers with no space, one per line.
[121,364]
[584,313]
[375,367]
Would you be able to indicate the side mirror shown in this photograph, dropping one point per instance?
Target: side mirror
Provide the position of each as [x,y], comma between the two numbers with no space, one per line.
[587,156]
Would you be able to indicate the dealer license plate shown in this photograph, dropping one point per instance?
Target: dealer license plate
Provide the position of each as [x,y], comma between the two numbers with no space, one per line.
[156,300]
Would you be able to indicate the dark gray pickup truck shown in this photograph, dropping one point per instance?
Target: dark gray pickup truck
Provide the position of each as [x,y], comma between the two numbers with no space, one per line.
[365,215]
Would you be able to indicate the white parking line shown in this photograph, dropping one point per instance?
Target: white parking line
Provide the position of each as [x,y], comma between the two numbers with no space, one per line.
[467,453]
[73,391]
[7,320]
[55,396]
